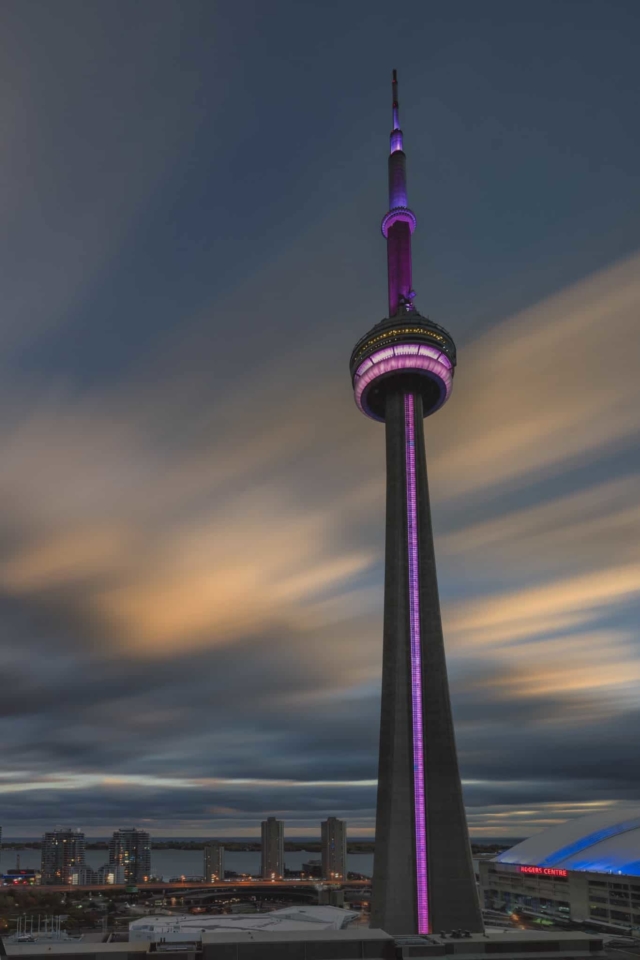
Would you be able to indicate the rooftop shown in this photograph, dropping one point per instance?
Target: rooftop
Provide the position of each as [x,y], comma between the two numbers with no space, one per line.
[303,918]
[330,944]
[604,842]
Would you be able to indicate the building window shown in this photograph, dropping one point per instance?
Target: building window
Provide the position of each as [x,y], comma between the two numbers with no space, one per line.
[599,912]
[595,899]
[619,915]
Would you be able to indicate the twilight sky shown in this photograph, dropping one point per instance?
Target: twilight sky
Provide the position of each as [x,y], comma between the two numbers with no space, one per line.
[191,507]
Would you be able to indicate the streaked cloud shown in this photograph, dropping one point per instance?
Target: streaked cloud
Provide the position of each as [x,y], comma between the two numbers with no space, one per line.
[155,547]
[541,609]
[585,528]
[551,388]
[191,534]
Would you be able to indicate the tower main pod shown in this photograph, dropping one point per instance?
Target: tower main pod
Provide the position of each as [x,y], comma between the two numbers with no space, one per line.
[402,371]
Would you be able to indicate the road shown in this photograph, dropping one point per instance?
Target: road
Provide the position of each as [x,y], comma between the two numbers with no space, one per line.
[197,885]
[621,954]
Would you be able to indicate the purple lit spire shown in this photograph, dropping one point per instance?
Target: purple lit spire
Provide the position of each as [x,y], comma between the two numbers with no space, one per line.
[396,133]
[399,223]
[397,171]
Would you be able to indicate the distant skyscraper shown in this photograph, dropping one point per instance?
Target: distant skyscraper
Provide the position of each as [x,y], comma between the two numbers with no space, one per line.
[62,856]
[130,856]
[402,371]
[334,849]
[272,865]
[213,861]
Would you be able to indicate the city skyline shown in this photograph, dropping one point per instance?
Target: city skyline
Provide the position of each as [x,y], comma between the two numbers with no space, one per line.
[191,559]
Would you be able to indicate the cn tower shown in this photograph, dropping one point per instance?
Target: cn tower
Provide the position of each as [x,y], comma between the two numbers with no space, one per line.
[402,371]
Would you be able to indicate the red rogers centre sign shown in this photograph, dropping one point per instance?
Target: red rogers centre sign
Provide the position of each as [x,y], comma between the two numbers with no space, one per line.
[544,871]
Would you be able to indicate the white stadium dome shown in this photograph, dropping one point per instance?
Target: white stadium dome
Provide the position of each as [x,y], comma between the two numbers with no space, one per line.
[604,842]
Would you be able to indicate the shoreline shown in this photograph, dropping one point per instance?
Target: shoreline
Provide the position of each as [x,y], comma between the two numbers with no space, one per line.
[251,846]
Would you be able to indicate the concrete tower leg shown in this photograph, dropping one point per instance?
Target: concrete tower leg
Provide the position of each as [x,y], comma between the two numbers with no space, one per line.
[453,896]
[448,881]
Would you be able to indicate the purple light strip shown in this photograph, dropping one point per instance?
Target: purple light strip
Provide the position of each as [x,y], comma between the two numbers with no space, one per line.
[395,214]
[416,669]
[404,350]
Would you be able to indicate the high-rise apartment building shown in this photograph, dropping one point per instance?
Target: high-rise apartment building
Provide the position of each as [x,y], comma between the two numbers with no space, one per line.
[401,372]
[213,861]
[272,864]
[130,856]
[334,849]
[62,856]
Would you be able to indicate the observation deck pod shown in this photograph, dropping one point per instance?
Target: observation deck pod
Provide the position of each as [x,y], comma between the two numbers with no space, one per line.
[408,348]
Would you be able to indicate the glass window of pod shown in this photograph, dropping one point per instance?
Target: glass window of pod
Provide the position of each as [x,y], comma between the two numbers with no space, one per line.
[393,337]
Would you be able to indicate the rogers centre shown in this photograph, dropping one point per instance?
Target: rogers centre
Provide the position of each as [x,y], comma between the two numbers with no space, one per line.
[583,871]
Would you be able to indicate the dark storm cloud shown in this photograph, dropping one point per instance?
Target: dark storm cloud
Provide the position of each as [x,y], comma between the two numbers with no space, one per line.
[166,682]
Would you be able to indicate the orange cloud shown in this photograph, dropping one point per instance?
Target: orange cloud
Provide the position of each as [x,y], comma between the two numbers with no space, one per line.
[553,386]
[596,526]
[529,612]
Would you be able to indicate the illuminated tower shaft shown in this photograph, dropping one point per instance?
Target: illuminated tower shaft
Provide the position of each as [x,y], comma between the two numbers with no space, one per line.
[402,371]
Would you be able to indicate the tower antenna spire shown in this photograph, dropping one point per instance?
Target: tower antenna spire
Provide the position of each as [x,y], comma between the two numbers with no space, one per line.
[395,107]
[399,223]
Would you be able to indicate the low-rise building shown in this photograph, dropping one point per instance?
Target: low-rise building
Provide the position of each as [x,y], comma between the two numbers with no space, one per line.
[21,877]
[84,875]
[290,919]
[354,942]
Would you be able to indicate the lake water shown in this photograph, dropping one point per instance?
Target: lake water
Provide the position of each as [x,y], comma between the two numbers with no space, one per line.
[189,863]
[176,863]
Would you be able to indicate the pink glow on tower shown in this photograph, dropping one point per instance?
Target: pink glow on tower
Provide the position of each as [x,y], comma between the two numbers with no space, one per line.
[402,371]
[415,358]
[419,801]
[399,223]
